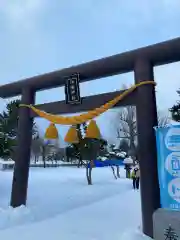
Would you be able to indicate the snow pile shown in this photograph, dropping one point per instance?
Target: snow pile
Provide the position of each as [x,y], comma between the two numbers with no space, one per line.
[128,160]
[62,206]
[102,158]
[121,154]
[118,154]
[11,217]
[9,161]
[134,235]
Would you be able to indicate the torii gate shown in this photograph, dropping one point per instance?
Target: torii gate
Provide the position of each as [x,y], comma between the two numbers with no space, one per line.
[141,61]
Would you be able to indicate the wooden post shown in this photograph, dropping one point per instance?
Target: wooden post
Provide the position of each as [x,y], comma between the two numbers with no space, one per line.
[147,154]
[22,156]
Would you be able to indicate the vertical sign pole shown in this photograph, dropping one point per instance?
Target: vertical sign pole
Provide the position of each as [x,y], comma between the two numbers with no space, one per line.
[147,153]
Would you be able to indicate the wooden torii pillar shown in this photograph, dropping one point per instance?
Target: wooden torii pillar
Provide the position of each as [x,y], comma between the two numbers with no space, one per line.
[23,152]
[141,61]
[147,153]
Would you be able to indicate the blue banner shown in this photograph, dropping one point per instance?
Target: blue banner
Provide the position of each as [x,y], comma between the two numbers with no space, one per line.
[168,152]
[108,162]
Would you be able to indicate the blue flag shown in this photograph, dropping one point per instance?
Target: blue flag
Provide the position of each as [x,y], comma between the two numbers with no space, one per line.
[168,153]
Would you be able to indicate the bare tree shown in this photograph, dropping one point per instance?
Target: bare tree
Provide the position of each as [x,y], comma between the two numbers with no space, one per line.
[163,119]
[126,127]
[40,147]
[45,147]
[124,145]
[35,149]
[52,149]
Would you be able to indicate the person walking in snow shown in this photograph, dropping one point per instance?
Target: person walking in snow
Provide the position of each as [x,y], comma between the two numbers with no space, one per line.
[136,177]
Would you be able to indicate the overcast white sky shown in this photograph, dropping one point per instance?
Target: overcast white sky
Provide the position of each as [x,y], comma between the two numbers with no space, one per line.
[39,36]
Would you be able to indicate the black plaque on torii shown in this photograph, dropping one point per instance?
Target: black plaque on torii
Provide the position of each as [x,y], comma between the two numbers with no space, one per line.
[72,89]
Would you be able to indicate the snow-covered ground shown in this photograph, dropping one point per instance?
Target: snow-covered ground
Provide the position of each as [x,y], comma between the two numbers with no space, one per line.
[62,206]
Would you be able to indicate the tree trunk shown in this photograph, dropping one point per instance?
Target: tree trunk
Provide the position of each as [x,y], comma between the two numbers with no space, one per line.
[113,172]
[78,164]
[56,162]
[90,175]
[44,161]
[80,161]
[89,172]
[118,173]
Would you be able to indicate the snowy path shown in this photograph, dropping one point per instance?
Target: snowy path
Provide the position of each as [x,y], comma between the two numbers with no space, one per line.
[106,219]
[62,206]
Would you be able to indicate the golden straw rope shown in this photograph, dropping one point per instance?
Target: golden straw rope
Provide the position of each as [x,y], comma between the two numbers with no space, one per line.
[86,116]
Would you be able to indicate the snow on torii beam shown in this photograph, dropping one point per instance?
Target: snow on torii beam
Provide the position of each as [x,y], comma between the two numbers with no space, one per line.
[157,54]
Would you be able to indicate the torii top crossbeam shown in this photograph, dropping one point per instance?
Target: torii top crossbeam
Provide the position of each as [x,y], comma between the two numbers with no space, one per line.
[158,54]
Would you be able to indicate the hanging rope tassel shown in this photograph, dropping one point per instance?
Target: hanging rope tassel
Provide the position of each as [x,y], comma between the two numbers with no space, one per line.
[93,130]
[72,135]
[51,132]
